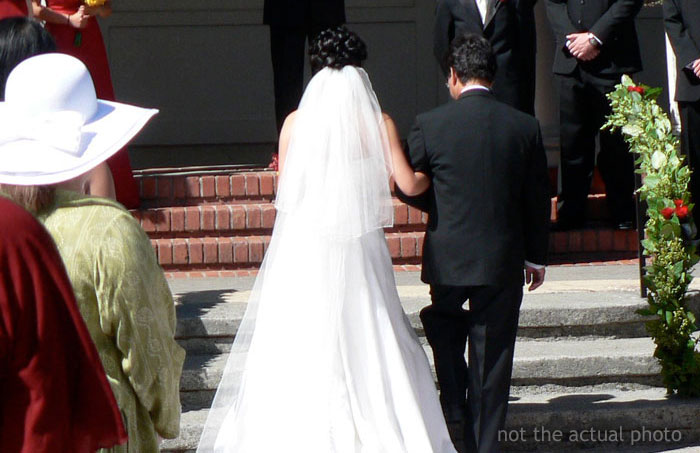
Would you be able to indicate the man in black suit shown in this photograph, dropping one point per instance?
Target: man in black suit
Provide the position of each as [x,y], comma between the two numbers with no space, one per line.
[682,20]
[509,25]
[291,23]
[488,217]
[596,42]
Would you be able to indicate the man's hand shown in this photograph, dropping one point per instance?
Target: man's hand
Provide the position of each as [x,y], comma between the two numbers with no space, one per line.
[534,277]
[696,67]
[580,47]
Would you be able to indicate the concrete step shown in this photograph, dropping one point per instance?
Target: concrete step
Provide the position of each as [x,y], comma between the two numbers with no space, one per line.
[208,320]
[568,363]
[594,420]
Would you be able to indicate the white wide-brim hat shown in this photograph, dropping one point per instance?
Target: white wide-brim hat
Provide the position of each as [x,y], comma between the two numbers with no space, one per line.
[52,126]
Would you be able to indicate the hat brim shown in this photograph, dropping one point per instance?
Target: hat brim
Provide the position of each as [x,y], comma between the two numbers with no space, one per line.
[29,162]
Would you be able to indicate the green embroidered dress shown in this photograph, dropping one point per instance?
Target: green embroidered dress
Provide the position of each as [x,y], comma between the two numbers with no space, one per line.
[129,311]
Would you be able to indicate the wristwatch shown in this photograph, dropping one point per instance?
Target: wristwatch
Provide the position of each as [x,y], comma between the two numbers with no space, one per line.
[593,41]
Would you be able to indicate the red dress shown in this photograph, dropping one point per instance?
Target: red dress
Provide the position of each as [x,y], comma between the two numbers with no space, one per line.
[12,8]
[91,51]
[54,394]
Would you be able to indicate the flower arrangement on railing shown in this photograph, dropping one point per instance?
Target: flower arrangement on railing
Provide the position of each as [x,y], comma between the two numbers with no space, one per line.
[669,231]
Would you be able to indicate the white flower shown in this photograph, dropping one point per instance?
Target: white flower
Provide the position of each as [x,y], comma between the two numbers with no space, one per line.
[658,160]
[633,130]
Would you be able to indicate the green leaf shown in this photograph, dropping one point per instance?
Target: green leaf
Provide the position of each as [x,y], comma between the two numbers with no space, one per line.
[645,312]
[653,93]
[669,317]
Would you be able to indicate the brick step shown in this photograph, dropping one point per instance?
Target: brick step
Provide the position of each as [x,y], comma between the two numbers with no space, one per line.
[239,218]
[405,247]
[185,188]
[195,189]
[253,216]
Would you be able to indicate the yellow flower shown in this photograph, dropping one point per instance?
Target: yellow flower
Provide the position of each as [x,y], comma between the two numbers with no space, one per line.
[94,2]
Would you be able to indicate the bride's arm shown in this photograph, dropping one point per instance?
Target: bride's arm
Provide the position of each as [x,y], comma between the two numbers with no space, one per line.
[285,133]
[410,182]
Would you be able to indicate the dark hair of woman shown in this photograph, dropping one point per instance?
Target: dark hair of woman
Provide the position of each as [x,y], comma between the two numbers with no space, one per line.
[20,38]
[336,48]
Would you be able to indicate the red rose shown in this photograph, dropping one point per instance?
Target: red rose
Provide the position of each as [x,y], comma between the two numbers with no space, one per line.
[682,212]
[274,163]
[667,213]
[678,203]
[636,89]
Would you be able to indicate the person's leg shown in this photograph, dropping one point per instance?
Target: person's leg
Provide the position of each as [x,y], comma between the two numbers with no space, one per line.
[690,147]
[615,161]
[287,50]
[445,324]
[577,141]
[493,324]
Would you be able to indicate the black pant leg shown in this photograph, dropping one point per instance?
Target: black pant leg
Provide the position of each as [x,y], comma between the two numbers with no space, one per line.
[577,142]
[690,146]
[615,161]
[445,324]
[287,50]
[493,325]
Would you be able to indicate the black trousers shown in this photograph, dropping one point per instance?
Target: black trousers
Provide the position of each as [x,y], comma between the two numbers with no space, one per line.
[490,325]
[288,57]
[582,111]
[690,146]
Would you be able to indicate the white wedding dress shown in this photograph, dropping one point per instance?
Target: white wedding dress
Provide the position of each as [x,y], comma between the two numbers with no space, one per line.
[325,359]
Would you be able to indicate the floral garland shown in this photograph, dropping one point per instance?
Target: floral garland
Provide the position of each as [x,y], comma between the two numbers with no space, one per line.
[669,231]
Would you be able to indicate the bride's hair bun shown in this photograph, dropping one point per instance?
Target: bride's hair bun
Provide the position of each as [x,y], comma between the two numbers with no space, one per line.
[336,48]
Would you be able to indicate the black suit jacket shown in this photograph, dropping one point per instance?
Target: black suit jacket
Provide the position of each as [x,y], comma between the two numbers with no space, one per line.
[301,13]
[612,21]
[682,20]
[511,31]
[488,205]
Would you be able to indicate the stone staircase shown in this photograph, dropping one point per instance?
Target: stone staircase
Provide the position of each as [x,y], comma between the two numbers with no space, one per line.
[214,220]
[584,376]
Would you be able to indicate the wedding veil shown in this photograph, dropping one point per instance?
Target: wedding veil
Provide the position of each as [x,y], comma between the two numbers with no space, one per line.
[333,190]
[338,162]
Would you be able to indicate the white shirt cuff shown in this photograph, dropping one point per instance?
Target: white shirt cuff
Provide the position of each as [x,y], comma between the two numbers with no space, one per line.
[533,265]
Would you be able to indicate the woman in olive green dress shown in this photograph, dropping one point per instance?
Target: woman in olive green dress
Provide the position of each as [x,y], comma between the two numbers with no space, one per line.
[120,288]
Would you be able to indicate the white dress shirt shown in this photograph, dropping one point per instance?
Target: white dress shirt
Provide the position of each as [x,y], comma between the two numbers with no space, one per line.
[483,6]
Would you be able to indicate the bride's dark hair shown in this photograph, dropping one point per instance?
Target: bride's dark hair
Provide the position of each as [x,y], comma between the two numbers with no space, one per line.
[336,48]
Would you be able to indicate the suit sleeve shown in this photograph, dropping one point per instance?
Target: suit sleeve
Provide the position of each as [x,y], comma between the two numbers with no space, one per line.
[684,47]
[558,15]
[619,12]
[443,33]
[418,157]
[537,206]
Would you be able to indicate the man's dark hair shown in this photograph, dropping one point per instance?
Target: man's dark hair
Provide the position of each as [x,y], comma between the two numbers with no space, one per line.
[471,57]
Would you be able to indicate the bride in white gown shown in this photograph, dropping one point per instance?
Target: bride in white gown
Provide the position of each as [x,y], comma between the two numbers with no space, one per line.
[325,359]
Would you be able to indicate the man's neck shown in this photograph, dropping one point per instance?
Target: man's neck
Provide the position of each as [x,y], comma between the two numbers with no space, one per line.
[475,84]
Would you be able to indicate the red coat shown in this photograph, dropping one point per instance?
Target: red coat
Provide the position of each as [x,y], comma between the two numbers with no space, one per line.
[54,395]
